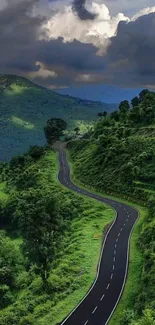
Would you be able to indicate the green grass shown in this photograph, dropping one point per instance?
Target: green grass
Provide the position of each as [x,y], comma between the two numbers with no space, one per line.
[22,123]
[135,258]
[90,224]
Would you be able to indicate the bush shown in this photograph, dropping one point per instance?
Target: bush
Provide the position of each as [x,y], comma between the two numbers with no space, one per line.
[36,152]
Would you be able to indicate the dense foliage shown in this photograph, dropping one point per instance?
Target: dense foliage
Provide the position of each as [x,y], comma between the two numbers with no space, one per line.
[47,244]
[25,108]
[54,129]
[118,157]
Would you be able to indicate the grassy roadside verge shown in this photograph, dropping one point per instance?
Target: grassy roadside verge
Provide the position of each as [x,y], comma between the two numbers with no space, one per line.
[76,266]
[135,258]
[87,234]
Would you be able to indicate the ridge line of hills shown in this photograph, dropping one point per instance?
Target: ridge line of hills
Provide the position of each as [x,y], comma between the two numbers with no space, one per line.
[25,107]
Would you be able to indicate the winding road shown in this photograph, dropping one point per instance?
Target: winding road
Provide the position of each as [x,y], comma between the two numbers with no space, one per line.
[100,302]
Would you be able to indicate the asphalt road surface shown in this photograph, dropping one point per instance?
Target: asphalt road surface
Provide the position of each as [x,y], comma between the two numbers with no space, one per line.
[100,302]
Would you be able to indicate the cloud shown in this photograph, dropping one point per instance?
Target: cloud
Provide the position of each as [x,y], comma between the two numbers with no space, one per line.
[19,34]
[128,7]
[142,12]
[83,13]
[43,72]
[51,45]
[95,31]
[130,55]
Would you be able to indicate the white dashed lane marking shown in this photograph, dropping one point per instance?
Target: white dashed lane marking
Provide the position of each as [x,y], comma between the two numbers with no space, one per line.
[108,286]
[117,239]
[94,310]
[102,297]
[86,322]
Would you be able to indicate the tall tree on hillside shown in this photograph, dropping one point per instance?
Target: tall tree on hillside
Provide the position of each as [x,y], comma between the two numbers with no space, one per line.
[41,225]
[143,93]
[135,101]
[124,108]
[115,115]
[54,129]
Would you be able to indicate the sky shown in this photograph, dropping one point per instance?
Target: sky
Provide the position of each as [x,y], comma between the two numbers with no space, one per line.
[68,43]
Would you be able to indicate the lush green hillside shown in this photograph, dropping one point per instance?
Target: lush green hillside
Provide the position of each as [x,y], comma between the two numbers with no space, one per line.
[50,242]
[118,158]
[25,107]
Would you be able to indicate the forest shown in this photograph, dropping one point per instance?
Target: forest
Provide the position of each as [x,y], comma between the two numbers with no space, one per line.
[118,158]
[51,238]
[50,241]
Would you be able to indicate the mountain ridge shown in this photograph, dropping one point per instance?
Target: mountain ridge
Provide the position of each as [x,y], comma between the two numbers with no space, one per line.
[103,93]
[25,107]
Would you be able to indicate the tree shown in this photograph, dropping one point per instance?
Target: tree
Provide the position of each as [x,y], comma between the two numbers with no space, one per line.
[77,129]
[135,115]
[142,94]
[54,129]
[115,115]
[36,152]
[41,225]
[103,114]
[148,319]
[124,107]
[100,115]
[135,101]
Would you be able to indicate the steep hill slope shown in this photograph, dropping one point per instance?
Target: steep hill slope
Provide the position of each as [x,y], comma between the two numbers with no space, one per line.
[118,158]
[25,107]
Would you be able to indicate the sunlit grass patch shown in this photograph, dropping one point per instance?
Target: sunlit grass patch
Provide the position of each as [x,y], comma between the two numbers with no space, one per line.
[22,123]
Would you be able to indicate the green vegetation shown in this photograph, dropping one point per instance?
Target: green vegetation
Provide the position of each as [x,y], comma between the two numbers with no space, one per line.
[25,108]
[50,242]
[54,129]
[22,123]
[118,157]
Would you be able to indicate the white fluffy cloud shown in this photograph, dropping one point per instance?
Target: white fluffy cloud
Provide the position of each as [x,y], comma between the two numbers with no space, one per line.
[143,12]
[66,24]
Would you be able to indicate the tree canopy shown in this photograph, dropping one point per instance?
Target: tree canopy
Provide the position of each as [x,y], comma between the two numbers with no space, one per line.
[54,129]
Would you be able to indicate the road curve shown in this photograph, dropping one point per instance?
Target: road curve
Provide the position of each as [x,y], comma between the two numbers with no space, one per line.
[99,304]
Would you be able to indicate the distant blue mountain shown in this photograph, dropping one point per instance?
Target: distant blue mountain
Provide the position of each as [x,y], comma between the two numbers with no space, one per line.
[103,93]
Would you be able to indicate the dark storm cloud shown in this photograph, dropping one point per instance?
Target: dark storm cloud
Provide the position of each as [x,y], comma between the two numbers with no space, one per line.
[83,13]
[129,58]
[131,54]
[74,55]
[21,47]
[18,34]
